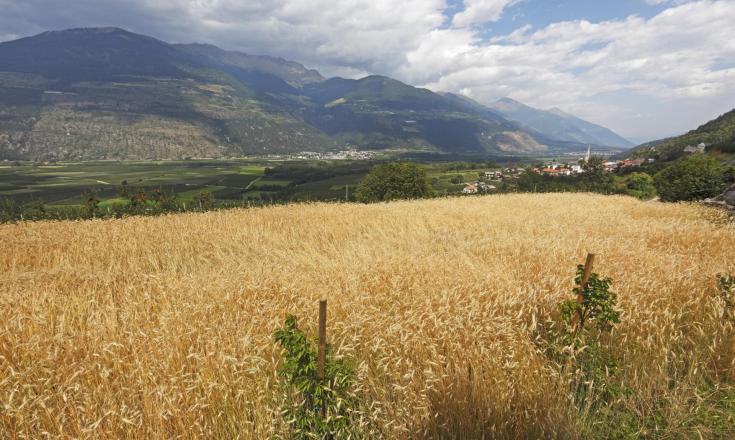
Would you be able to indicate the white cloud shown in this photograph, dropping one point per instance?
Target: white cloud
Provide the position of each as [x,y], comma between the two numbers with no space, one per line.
[602,71]
[481,11]
[673,69]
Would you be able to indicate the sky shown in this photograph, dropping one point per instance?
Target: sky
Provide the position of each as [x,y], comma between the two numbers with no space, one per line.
[644,68]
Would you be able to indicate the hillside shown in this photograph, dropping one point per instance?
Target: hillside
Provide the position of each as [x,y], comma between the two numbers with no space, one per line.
[718,135]
[166,329]
[105,93]
[291,72]
[558,125]
[111,94]
[377,110]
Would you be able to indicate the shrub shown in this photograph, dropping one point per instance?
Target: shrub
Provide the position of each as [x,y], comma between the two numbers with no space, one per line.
[393,181]
[205,201]
[9,210]
[693,178]
[580,346]
[91,203]
[640,185]
[314,407]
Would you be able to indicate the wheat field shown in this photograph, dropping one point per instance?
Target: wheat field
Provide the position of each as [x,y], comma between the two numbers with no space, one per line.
[162,328]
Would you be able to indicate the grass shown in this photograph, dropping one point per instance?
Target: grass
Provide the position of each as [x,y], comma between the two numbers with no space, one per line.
[165,330]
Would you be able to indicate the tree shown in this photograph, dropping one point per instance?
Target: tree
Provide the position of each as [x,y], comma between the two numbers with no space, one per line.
[91,202]
[594,167]
[393,181]
[596,178]
[205,200]
[696,177]
[640,185]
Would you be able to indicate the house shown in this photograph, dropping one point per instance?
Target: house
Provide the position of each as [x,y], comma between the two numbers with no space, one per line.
[470,188]
[699,149]
[493,174]
[632,163]
[557,171]
[484,187]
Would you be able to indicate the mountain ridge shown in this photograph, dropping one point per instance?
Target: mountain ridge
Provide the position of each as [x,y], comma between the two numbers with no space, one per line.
[559,125]
[107,93]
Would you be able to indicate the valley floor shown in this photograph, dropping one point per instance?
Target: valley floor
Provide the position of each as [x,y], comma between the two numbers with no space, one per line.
[163,327]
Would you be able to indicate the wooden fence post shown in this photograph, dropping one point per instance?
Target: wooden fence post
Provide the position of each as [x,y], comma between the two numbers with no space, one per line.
[321,359]
[322,353]
[578,322]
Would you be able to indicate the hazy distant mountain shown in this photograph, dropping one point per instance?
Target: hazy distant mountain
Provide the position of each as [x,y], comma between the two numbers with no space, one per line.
[377,111]
[558,125]
[105,93]
[718,135]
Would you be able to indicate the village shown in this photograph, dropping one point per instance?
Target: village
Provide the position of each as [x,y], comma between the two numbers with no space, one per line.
[556,168]
[333,155]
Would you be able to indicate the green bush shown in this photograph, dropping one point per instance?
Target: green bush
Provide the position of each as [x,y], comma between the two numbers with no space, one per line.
[696,177]
[580,346]
[640,185]
[205,201]
[393,181]
[314,408]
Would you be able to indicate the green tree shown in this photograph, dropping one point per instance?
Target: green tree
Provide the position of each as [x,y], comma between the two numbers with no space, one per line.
[693,178]
[640,185]
[595,167]
[205,200]
[91,203]
[393,181]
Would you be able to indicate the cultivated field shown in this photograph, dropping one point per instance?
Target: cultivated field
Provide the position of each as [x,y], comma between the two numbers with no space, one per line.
[163,327]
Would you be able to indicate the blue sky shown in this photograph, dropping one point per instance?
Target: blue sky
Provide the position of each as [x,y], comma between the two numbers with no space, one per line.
[541,13]
[645,68]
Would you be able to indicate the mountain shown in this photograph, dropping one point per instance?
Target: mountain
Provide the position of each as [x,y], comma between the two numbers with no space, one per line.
[291,72]
[558,125]
[377,110]
[92,54]
[106,93]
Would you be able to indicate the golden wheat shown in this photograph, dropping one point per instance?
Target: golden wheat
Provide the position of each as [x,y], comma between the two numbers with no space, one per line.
[163,327]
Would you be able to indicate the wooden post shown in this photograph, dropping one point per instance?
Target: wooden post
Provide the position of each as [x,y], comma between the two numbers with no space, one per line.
[585,279]
[322,353]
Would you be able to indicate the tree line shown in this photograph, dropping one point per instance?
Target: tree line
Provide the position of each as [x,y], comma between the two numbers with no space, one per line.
[692,178]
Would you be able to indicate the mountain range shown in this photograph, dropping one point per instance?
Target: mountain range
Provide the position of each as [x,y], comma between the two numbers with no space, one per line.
[106,93]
